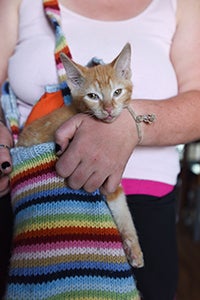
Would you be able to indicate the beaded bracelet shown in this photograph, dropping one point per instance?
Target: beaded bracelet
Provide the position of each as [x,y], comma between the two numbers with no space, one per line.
[146,118]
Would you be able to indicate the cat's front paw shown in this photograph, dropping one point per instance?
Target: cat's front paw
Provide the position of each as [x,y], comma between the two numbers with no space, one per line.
[134,253]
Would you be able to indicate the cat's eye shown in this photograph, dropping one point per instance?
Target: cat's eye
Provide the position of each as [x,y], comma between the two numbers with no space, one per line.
[117,92]
[93,96]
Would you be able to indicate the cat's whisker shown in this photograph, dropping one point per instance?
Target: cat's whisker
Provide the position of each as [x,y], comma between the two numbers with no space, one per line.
[89,113]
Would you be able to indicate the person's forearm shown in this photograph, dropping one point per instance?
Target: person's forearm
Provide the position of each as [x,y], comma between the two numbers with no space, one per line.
[177,119]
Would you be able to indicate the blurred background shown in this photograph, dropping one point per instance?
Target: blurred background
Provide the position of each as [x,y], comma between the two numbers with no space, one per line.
[188,222]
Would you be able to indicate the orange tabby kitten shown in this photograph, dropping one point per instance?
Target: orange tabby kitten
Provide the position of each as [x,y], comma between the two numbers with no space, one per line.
[101,91]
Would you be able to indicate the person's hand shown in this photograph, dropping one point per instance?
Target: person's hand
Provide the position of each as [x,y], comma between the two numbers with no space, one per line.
[5,159]
[94,154]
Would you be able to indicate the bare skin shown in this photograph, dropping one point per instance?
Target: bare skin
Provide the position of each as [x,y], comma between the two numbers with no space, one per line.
[107,10]
[177,118]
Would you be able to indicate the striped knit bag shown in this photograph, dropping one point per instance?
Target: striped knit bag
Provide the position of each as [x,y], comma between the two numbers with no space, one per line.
[66,244]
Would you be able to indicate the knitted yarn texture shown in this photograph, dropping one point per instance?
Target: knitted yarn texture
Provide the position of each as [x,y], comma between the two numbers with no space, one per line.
[66,245]
[53,14]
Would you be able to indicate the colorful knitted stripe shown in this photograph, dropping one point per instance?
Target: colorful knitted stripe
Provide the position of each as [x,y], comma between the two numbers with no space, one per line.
[66,245]
[52,10]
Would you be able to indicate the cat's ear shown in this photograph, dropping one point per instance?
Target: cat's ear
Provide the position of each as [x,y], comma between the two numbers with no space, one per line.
[74,74]
[122,63]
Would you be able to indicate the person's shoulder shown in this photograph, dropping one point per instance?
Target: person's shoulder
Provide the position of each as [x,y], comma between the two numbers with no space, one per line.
[6,5]
[185,53]
[9,9]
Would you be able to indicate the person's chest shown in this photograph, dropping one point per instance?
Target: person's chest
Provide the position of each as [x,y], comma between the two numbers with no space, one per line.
[107,10]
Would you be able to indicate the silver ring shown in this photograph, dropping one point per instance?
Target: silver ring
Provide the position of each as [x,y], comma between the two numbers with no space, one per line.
[4,146]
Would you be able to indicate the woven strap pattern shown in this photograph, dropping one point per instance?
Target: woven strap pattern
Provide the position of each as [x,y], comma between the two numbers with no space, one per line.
[66,245]
[52,10]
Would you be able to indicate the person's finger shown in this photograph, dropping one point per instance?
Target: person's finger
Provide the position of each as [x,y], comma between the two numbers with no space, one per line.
[5,159]
[110,185]
[93,183]
[67,163]
[78,178]
[6,143]
[65,133]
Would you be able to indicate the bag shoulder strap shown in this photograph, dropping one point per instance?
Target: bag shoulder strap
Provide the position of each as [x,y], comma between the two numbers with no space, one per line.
[52,11]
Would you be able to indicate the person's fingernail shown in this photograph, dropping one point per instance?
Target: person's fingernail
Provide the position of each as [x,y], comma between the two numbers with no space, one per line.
[5,165]
[57,148]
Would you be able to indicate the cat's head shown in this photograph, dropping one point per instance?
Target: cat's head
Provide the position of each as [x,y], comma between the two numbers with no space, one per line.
[103,90]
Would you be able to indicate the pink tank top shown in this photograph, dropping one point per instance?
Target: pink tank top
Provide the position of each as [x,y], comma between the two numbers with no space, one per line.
[150,34]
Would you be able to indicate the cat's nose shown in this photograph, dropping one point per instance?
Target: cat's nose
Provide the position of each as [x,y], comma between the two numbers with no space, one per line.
[108,109]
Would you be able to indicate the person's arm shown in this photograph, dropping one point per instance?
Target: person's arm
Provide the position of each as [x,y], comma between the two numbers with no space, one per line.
[8,33]
[178,118]
[98,153]
[8,37]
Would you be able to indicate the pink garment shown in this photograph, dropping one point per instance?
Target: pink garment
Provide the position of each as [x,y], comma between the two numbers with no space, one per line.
[146,187]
